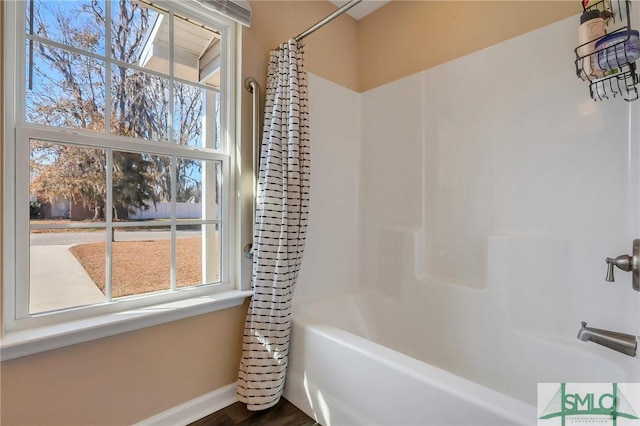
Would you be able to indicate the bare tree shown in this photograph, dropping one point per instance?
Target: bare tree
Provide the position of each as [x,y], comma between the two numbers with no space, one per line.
[70,91]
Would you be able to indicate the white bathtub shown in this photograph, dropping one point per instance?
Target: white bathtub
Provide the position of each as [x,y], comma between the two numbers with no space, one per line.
[339,376]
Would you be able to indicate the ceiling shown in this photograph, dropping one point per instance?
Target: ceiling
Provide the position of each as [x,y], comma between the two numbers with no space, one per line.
[362,9]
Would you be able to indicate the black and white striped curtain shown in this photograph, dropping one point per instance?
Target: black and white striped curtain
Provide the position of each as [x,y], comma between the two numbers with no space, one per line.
[282,208]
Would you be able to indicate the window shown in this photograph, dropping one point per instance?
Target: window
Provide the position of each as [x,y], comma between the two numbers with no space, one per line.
[121,155]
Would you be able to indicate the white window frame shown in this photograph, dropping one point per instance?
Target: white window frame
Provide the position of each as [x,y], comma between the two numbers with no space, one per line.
[25,334]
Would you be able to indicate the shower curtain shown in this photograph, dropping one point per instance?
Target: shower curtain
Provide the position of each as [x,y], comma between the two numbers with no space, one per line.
[282,208]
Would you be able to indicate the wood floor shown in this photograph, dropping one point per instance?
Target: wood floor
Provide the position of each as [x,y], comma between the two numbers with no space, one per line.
[283,413]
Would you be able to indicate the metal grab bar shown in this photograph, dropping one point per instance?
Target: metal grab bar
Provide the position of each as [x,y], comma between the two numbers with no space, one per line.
[253,87]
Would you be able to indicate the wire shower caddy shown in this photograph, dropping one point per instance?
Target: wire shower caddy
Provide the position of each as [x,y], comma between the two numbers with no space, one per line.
[621,78]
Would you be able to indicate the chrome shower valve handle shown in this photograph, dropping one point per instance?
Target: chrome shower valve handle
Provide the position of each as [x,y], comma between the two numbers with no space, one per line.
[622,262]
[627,263]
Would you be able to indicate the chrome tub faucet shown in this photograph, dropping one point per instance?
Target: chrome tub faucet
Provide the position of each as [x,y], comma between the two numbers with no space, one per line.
[623,343]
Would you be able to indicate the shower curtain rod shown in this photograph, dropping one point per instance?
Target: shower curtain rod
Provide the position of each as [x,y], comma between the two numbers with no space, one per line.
[326,20]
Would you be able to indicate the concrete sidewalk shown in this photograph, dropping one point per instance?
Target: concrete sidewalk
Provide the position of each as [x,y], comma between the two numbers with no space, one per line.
[59,281]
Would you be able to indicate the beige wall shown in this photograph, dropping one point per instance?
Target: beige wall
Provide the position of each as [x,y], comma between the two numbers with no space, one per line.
[330,53]
[1,153]
[395,41]
[125,378]
[406,37]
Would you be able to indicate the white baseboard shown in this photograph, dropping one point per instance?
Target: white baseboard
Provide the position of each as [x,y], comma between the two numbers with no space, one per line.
[195,409]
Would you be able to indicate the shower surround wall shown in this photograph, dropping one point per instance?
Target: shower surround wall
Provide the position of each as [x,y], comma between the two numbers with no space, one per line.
[490,189]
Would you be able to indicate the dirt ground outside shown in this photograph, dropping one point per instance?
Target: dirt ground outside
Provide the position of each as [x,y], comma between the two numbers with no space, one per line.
[144,266]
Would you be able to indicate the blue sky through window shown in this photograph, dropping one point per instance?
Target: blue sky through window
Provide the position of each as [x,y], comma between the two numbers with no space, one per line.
[70,89]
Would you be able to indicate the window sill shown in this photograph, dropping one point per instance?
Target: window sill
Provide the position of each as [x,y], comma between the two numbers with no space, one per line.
[21,343]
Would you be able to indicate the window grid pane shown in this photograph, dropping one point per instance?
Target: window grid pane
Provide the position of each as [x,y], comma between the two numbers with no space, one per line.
[70,88]
[98,92]
[136,252]
[59,97]
[141,260]
[189,255]
[139,104]
[139,35]
[59,261]
[50,20]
